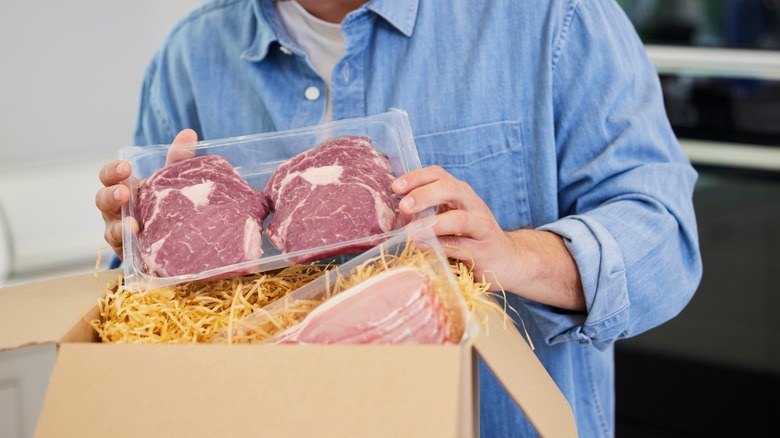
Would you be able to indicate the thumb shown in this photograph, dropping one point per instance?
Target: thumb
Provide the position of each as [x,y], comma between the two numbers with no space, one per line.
[181,149]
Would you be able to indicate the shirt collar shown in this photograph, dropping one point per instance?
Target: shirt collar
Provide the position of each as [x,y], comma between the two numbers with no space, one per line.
[268,30]
[401,14]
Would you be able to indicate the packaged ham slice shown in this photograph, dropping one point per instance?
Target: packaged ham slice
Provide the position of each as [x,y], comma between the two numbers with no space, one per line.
[398,306]
[399,292]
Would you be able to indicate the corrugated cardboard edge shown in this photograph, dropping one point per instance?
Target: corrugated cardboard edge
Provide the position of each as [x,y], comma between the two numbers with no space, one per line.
[525,378]
[42,312]
[468,393]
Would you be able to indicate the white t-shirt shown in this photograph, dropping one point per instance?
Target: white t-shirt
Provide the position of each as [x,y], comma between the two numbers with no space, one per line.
[322,42]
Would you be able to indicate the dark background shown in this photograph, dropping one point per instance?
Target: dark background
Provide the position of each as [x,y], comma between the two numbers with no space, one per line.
[715,369]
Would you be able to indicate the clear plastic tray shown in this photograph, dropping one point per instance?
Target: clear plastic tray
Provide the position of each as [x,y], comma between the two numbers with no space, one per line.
[255,157]
[432,262]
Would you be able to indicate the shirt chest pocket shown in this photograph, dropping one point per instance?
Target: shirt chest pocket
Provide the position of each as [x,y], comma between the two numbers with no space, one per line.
[490,158]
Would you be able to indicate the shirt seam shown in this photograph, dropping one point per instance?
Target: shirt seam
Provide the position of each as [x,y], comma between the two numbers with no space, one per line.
[604,323]
[568,20]
[154,101]
[595,394]
[204,9]
[482,125]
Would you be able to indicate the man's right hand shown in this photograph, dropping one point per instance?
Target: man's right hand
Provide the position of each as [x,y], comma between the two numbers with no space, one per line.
[113,195]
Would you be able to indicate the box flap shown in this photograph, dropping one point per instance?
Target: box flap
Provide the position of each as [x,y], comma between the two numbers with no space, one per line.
[48,311]
[524,377]
[100,390]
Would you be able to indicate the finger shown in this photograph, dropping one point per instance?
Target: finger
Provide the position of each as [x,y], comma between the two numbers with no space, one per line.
[460,223]
[115,172]
[448,192]
[418,177]
[109,200]
[423,187]
[458,248]
[181,149]
[113,234]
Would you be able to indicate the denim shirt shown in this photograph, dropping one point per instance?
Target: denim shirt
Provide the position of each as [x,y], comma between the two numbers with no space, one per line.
[549,109]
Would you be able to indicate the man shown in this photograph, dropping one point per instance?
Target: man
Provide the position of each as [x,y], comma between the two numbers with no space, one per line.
[543,129]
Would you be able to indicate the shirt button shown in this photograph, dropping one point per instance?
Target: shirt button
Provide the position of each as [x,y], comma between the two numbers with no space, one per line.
[312,93]
[345,72]
[285,50]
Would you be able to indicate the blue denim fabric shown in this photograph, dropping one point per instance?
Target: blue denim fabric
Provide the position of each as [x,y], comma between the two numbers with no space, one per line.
[550,109]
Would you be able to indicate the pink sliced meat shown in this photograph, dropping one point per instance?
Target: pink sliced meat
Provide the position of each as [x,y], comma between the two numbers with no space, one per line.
[336,192]
[198,214]
[399,306]
[404,318]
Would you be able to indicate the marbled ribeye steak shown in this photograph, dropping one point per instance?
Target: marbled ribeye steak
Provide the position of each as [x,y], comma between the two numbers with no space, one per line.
[336,192]
[198,214]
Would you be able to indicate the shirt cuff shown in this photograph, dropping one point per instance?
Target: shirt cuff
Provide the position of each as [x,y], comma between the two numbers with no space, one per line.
[602,271]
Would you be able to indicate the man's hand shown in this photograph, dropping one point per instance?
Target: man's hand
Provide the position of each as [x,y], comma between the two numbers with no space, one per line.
[533,264]
[465,226]
[114,195]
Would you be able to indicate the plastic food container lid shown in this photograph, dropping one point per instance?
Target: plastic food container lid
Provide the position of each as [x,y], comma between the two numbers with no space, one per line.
[256,157]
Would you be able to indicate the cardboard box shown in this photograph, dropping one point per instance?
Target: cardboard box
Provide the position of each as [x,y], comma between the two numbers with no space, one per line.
[100,390]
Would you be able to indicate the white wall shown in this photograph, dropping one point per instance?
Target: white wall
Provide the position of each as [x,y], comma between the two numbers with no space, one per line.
[70,78]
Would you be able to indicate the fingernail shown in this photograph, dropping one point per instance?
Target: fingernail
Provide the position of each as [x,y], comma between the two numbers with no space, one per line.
[120,168]
[407,203]
[117,195]
[399,184]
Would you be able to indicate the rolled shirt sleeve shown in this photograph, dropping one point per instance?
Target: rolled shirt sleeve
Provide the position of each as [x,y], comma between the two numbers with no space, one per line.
[625,185]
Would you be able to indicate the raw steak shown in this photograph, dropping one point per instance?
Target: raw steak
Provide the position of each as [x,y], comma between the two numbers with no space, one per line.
[198,214]
[398,306]
[333,193]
